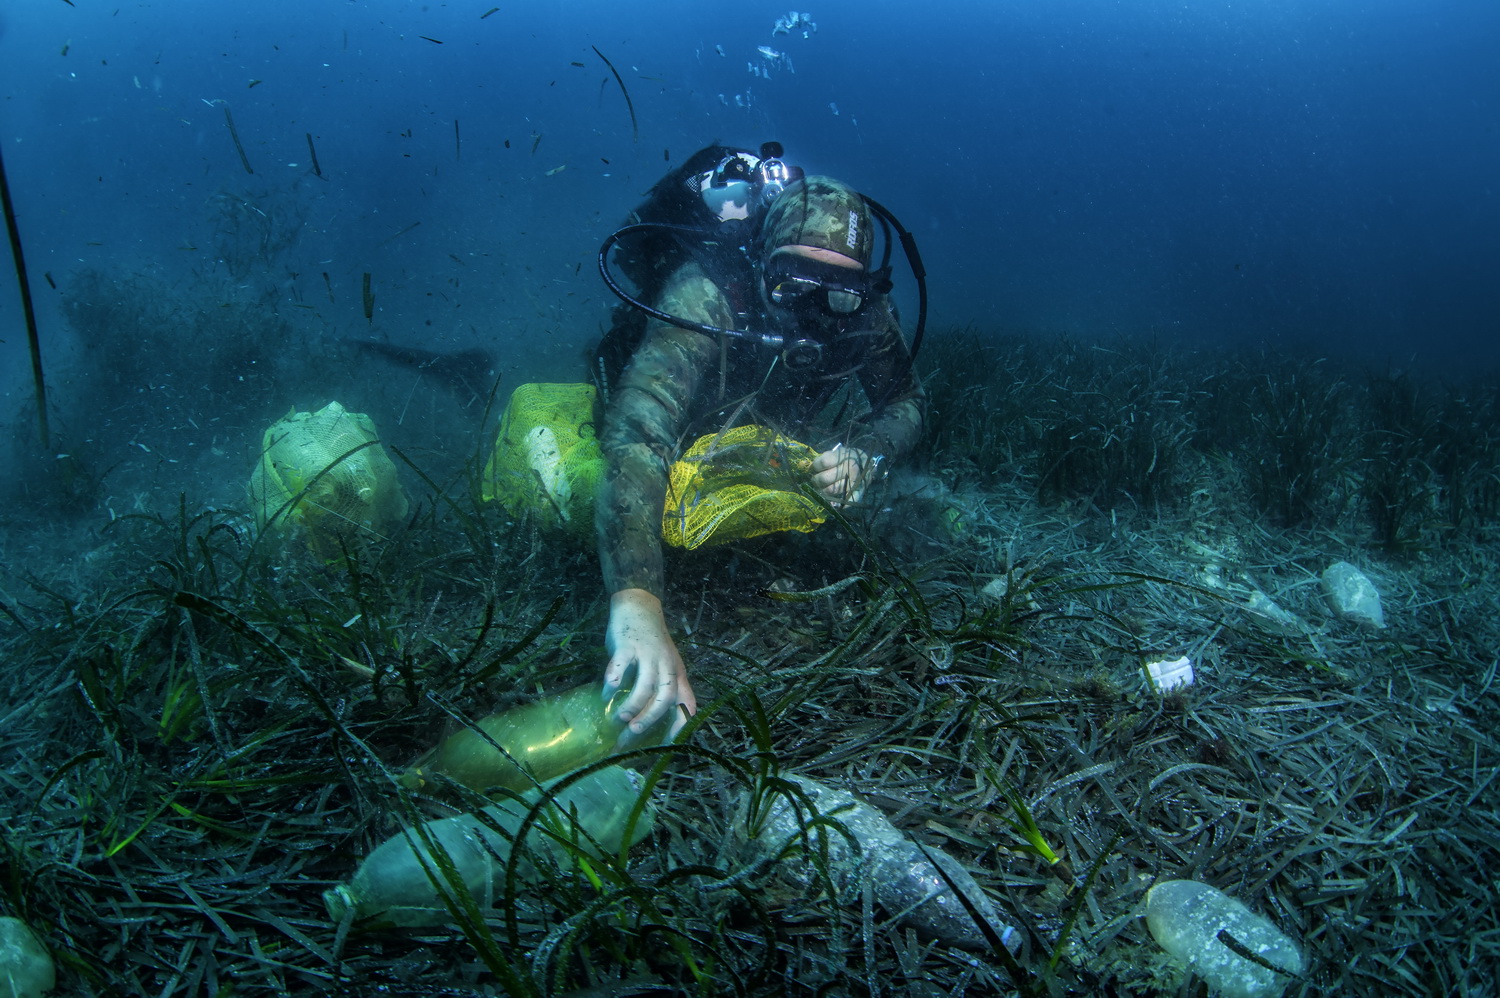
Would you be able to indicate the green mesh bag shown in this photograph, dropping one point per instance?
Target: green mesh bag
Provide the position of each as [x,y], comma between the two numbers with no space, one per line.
[324,478]
[729,486]
[546,460]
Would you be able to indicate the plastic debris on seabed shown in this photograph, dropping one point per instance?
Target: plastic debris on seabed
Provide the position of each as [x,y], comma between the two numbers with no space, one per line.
[1264,611]
[907,882]
[402,882]
[1238,953]
[26,968]
[1352,596]
[1171,674]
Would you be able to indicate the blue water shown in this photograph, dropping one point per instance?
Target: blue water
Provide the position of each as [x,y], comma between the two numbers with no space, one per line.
[1264,173]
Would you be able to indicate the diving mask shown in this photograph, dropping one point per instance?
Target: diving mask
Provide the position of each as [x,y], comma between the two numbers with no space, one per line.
[808,284]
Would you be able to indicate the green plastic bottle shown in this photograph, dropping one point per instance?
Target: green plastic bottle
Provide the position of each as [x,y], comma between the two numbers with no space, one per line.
[25,965]
[1211,932]
[401,882]
[544,739]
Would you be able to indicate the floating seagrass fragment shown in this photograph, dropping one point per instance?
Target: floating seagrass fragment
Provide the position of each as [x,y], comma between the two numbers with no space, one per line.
[229,120]
[635,131]
[317,170]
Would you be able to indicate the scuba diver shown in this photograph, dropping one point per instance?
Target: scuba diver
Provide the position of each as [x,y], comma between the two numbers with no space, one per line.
[759,301]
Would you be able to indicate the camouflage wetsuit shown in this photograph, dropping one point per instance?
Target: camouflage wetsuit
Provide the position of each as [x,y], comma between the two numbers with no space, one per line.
[681,384]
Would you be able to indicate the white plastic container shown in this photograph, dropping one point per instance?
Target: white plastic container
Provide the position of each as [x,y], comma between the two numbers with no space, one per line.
[1210,932]
[25,965]
[1168,675]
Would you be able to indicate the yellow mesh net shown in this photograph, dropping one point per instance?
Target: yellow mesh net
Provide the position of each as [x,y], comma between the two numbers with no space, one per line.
[729,486]
[323,476]
[546,458]
[739,484]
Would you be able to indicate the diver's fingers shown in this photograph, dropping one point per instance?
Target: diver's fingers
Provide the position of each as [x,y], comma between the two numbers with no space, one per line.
[837,483]
[838,474]
[614,673]
[662,697]
[687,706]
[837,456]
[671,698]
[839,471]
[826,460]
[825,482]
[641,695]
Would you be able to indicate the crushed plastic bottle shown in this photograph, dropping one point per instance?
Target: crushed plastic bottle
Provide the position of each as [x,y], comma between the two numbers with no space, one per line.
[26,969]
[1239,953]
[396,881]
[906,883]
[541,740]
[1352,596]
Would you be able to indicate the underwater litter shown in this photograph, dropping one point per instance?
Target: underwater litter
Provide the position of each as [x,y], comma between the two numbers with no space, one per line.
[209,737]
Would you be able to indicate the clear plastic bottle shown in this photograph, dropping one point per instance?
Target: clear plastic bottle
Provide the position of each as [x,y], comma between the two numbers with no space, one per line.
[544,739]
[400,880]
[1211,933]
[906,881]
[25,965]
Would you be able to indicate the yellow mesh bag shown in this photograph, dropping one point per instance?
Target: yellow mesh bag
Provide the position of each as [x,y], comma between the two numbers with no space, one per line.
[546,458]
[323,476]
[729,486]
[739,484]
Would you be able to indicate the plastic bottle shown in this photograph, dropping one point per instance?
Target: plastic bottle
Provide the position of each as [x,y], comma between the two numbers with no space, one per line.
[25,965]
[396,881]
[906,881]
[1210,931]
[545,739]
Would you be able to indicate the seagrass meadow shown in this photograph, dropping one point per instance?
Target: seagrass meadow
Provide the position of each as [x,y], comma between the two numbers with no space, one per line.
[202,730]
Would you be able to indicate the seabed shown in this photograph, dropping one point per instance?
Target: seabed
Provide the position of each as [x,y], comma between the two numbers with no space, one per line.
[203,729]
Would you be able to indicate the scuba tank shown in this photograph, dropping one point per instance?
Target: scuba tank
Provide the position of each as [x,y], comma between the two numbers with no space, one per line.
[703,211]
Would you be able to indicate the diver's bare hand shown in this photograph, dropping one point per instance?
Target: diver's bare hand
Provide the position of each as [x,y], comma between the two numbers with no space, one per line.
[637,635]
[842,473]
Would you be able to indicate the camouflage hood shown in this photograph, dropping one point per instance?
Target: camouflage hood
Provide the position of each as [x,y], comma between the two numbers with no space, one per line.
[819,211]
